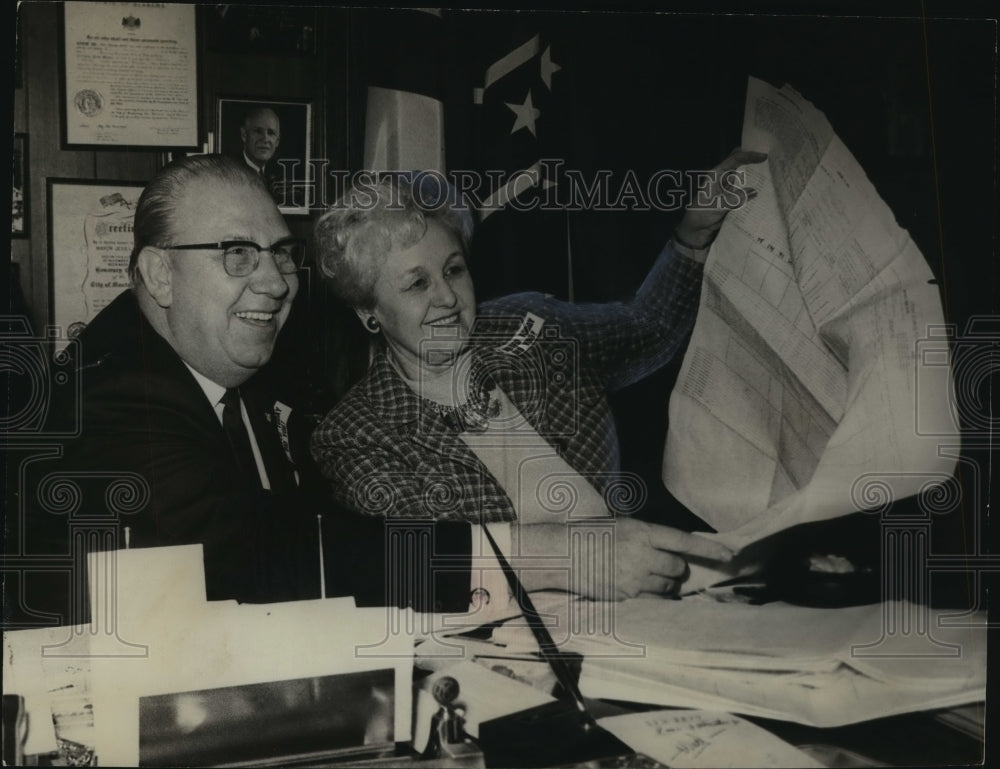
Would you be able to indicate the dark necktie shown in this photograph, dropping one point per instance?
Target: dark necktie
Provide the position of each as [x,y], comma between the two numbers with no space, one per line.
[236,432]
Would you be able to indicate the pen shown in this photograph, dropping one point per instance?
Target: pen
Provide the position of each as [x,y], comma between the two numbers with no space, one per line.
[322,575]
[547,647]
[525,658]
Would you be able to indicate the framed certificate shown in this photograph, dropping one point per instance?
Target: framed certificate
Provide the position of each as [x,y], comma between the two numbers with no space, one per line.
[129,76]
[90,241]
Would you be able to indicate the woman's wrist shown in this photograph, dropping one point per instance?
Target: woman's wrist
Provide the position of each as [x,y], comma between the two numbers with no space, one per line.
[694,240]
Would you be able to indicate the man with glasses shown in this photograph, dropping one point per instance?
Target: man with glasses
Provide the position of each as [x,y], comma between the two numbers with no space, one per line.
[171,403]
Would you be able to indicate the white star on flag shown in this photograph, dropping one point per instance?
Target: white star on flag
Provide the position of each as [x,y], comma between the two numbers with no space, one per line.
[526,113]
[549,67]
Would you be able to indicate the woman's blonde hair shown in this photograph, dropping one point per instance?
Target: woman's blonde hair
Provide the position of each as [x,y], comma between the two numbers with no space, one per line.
[377,216]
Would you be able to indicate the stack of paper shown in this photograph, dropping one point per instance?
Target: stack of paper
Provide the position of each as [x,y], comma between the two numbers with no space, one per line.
[820,667]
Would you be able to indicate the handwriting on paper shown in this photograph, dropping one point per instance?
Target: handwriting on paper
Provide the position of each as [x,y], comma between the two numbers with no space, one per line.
[699,738]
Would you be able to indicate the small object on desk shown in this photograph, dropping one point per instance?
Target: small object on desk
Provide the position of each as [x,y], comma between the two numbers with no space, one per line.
[485,695]
[827,580]
[555,734]
[445,690]
[447,737]
[450,718]
[822,582]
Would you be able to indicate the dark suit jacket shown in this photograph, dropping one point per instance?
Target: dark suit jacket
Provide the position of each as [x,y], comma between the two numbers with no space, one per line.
[291,195]
[274,180]
[152,456]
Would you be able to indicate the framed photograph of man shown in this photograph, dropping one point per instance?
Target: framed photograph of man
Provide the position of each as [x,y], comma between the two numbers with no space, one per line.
[274,138]
[19,181]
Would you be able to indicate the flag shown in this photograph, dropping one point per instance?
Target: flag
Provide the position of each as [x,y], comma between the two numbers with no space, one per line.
[572,115]
[519,122]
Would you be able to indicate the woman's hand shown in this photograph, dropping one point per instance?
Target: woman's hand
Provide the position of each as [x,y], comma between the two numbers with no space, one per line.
[705,213]
[648,558]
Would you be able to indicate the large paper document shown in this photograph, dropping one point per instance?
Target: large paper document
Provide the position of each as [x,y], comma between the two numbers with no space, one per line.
[798,398]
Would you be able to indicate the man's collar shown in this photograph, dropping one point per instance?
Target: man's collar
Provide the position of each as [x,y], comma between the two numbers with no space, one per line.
[256,168]
[213,391]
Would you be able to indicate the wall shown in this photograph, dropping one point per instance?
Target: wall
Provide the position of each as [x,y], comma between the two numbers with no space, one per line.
[318,77]
[36,112]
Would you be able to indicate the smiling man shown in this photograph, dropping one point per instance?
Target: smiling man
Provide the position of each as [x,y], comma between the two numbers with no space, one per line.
[208,287]
[174,408]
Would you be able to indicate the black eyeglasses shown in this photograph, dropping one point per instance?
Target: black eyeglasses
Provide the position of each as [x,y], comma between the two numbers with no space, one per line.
[241,257]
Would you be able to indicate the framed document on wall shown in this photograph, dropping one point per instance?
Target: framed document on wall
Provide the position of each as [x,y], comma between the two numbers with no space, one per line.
[90,240]
[129,76]
[274,137]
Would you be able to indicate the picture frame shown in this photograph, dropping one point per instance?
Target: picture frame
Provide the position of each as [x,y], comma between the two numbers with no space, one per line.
[20,214]
[287,165]
[107,100]
[89,243]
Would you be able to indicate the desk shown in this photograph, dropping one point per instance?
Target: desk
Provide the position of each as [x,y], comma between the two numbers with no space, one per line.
[923,738]
[917,739]
[949,737]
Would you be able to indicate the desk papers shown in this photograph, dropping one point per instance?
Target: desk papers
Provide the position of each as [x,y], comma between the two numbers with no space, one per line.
[819,667]
[800,397]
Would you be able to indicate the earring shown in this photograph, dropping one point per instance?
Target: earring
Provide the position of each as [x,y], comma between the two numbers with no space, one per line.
[372,324]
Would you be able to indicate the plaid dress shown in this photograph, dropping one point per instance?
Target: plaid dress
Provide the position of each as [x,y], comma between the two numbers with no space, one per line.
[387,452]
